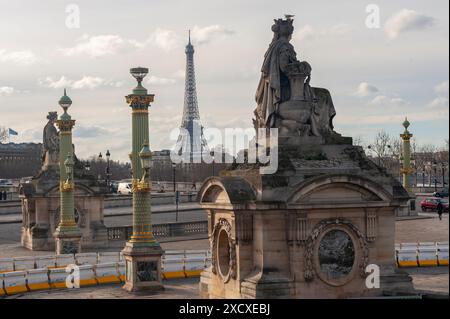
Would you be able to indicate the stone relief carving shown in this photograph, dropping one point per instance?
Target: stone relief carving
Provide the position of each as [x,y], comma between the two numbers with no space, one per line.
[284,97]
[225,225]
[320,228]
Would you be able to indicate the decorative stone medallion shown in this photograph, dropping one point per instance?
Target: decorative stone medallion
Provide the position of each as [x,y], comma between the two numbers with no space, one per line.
[224,251]
[335,250]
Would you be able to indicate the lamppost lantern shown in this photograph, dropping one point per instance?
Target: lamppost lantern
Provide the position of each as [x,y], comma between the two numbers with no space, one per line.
[68,164]
[100,156]
[146,157]
[108,154]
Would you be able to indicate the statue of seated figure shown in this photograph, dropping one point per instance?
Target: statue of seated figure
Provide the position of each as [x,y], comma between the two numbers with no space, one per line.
[284,97]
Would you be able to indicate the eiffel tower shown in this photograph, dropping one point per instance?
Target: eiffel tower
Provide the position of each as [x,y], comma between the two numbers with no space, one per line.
[191,141]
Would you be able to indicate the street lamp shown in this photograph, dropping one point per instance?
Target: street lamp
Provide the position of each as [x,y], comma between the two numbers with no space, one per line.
[174,166]
[142,253]
[108,170]
[67,234]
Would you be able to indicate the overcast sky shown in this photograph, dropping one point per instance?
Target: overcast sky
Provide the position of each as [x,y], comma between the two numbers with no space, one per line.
[376,76]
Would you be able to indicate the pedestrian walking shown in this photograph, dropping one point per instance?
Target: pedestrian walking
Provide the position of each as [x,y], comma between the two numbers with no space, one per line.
[440,209]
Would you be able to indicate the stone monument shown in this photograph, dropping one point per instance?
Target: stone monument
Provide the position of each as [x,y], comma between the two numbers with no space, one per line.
[311,229]
[41,199]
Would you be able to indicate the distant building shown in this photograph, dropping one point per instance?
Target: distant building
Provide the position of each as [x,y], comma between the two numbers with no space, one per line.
[19,160]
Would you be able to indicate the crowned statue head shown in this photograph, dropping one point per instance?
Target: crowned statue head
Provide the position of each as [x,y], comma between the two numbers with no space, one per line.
[52,116]
[283,28]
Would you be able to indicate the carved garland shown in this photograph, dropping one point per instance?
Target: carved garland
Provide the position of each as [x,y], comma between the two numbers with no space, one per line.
[319,229]
[224,224]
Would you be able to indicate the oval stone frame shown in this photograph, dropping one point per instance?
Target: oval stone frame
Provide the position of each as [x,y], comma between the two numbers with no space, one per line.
[317,267]
[223,227]
[361,257]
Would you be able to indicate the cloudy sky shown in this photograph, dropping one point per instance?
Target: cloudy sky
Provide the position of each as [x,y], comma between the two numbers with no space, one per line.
[376,76]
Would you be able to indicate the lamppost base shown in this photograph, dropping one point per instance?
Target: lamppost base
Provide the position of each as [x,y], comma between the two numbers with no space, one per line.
[143,267]
[67,242]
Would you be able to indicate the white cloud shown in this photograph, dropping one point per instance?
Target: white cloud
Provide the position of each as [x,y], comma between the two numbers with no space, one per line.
[160,81]
[442,88]
[6,90]
[86,82]
[339,29]
[439,102]
[365,89]
[98,46]
[206,34]
[62,82]
[305,33]
[164,39]
[386,101]
[25,57]
[407,20]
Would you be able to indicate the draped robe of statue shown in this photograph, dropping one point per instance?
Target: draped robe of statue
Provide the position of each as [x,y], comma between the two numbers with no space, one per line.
[273,87]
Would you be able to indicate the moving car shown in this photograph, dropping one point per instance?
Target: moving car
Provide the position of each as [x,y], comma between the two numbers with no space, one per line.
[442,193]
[430,204]
[124,188]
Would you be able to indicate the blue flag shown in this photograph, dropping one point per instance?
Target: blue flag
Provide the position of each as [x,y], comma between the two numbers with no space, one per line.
[12,132]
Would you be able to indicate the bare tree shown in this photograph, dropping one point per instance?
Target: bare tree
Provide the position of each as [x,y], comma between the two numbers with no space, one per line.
[381,146]
[3,134]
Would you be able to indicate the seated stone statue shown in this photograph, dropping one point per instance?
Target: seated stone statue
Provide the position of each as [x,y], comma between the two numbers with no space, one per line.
[284,97]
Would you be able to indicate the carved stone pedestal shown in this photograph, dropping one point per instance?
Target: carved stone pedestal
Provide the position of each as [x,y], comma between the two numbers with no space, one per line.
[308,231]
[143,267]
[67,242]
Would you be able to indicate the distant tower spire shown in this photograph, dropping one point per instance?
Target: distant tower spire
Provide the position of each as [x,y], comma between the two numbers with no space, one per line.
[194,142]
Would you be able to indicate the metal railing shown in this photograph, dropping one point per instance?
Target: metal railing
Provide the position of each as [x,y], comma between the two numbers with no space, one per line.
[179,229]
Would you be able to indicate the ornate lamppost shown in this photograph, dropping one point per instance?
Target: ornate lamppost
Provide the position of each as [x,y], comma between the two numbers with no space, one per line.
[67,234]
[108,171]
[142,252]
[406,159]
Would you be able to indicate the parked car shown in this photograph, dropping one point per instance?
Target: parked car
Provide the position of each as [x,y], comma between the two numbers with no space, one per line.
[430,204]
[442,193]
[124,188]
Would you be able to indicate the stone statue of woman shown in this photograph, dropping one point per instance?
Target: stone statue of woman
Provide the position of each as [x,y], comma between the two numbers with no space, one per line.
[50,142]
[273,87]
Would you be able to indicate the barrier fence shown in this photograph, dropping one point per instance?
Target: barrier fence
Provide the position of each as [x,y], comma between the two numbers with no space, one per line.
[422,254]
[26,274]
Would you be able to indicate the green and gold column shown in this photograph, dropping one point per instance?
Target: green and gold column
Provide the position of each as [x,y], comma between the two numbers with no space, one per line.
[406,160]
[142,252]
[67,234]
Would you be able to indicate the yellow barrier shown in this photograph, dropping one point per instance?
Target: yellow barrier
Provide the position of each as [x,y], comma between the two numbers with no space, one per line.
[57,278]
[107,273]
[24,263]
[87,276]
[37,279]
[2,291]
[15,282]
[6,265]
[121,269]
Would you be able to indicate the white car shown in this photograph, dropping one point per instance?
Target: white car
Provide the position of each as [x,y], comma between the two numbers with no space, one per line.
[124,188]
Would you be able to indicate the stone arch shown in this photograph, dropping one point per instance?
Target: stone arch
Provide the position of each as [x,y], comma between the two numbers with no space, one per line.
[341,188]
[227,190]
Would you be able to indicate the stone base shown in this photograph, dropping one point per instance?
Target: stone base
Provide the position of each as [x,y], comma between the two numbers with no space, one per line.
[267,287]
[67,243]
[143,267]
